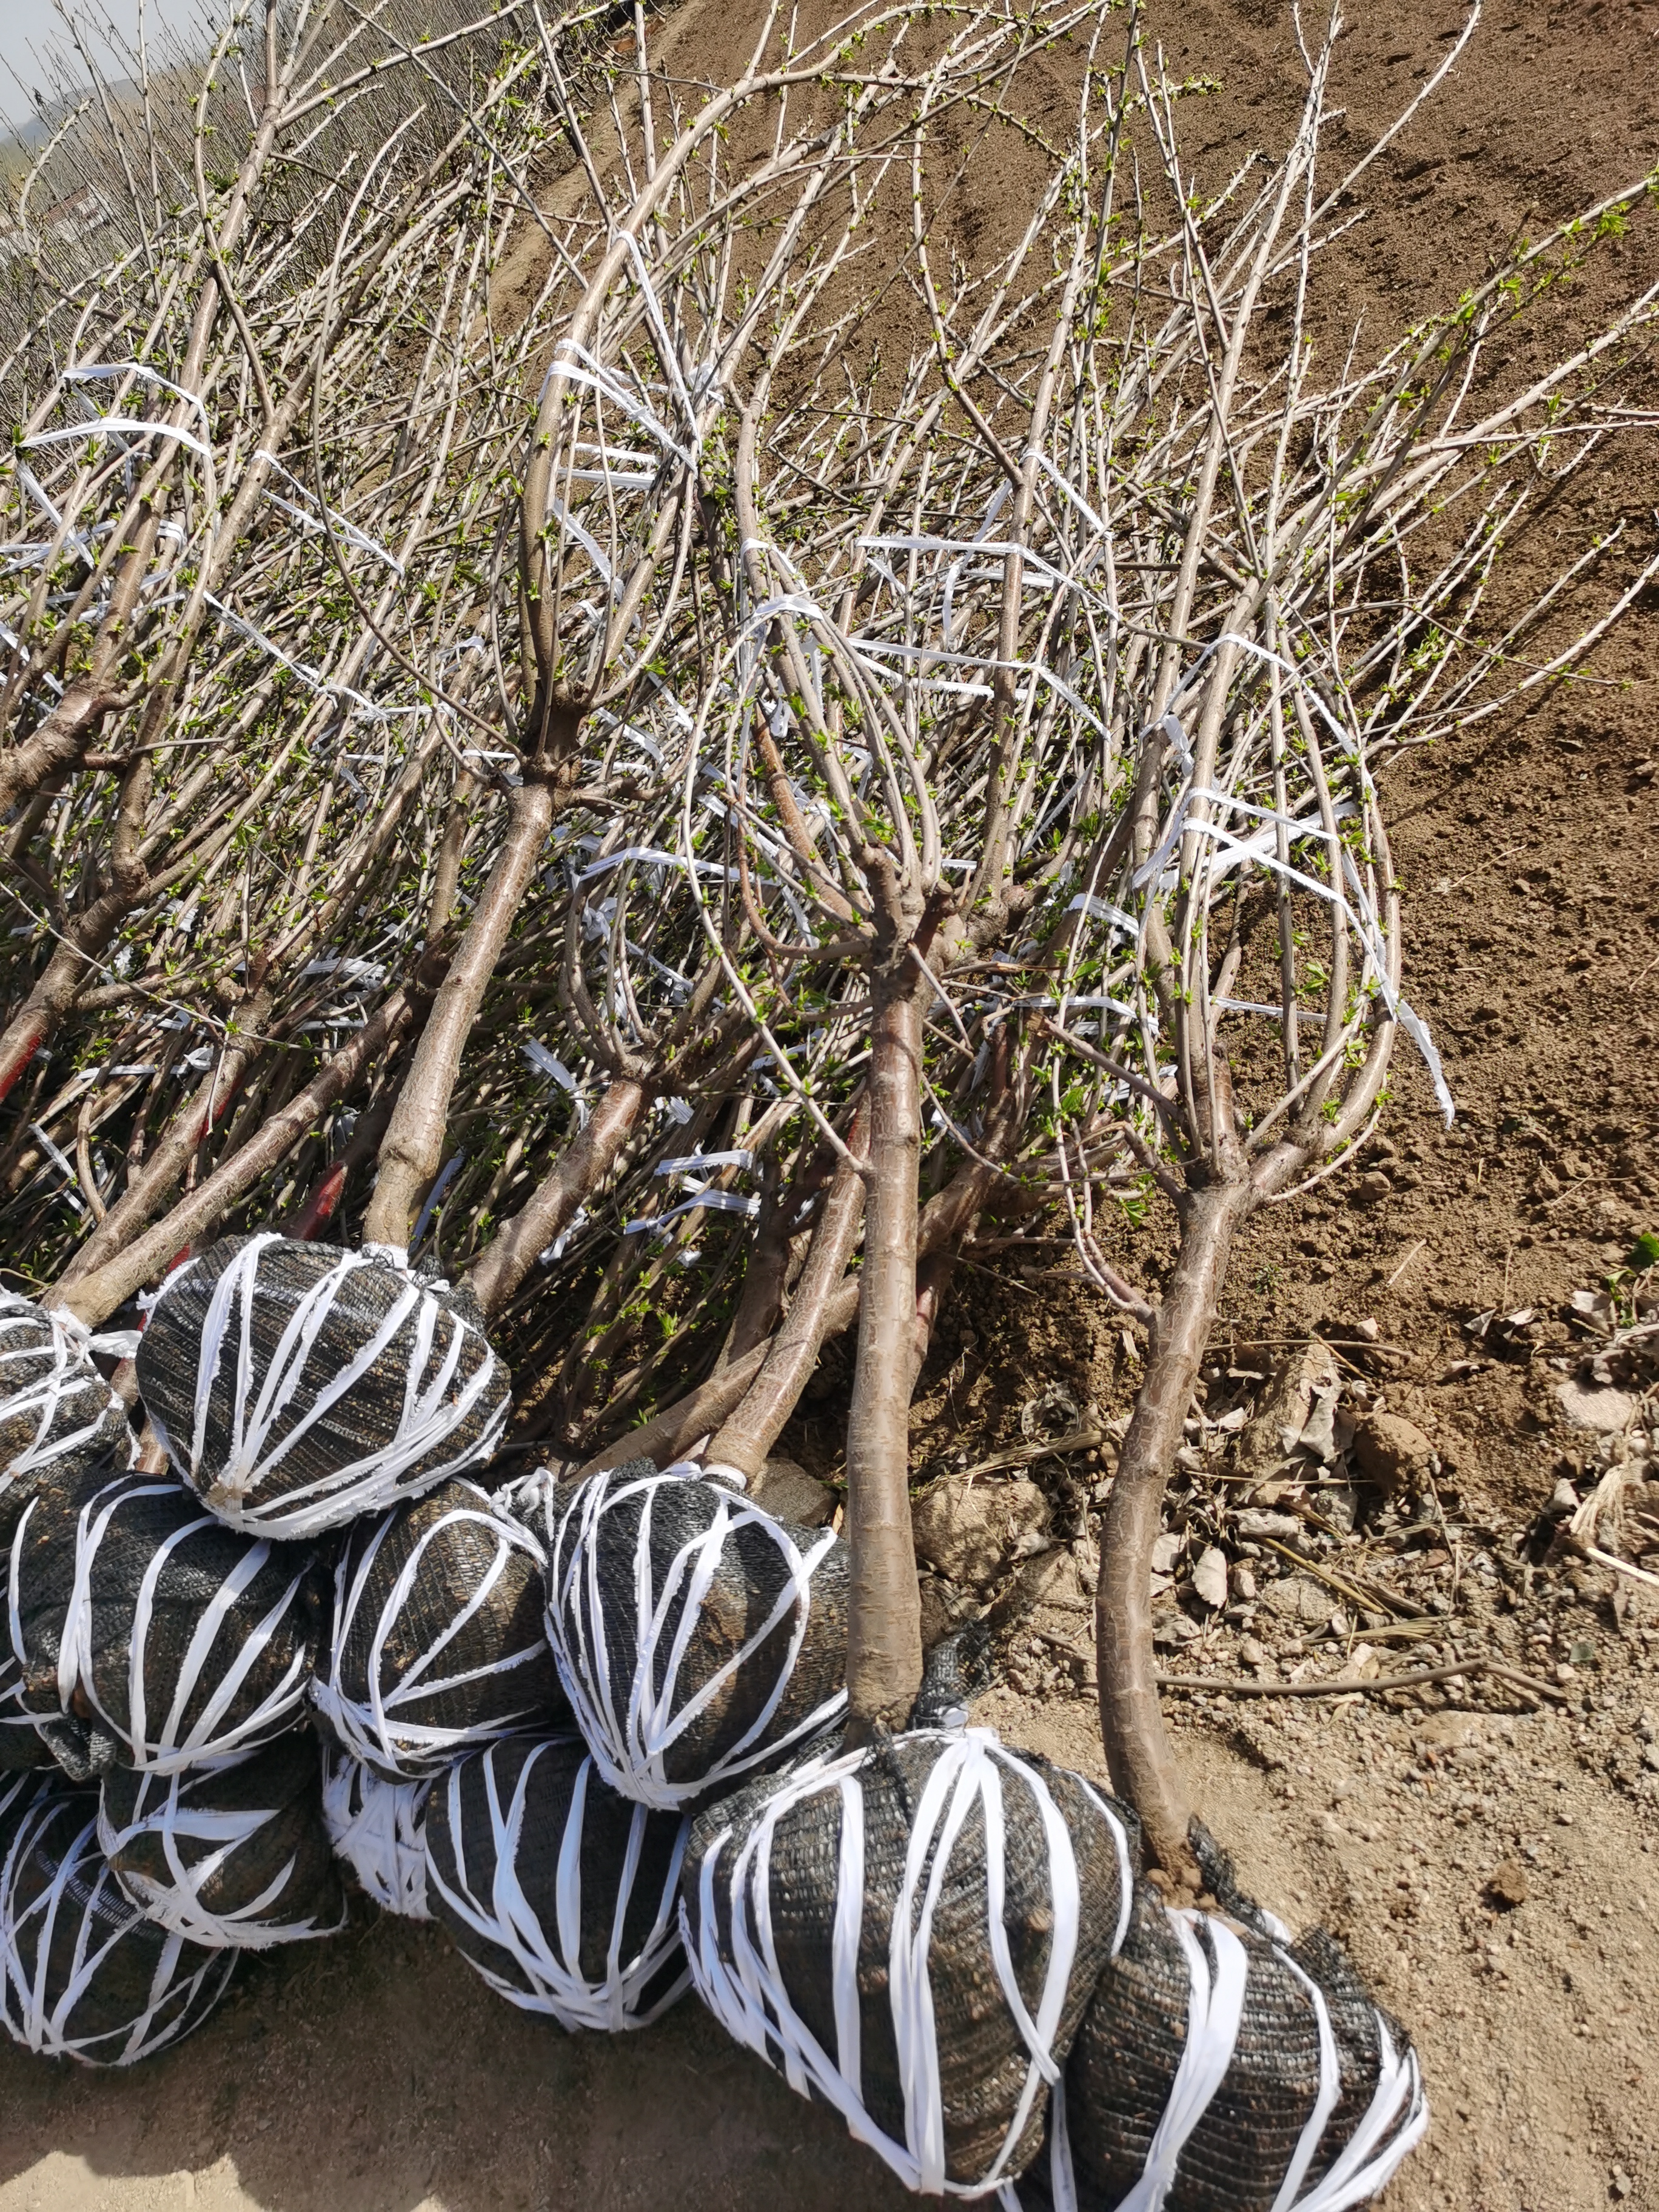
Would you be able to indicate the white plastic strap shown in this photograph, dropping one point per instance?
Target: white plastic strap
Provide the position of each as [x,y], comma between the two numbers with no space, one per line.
[167,1811]
[68,1386]
[83,1890]
[382,1731]
[551,1958]
[379,1828]
[168,1747]
[632,1725]
[432,1410]
[1215,2007]
[746,1992]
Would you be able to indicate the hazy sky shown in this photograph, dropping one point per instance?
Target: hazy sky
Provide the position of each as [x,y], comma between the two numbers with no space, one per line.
[30,27]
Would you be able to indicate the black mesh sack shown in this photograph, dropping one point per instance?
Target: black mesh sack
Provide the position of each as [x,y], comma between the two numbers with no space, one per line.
[297,1386]
[910,1933]
[148,1634]
[57,1412]
[1220,2068]
[699,1639]
[438,1641]
[561,1894]
[378,1830]
[233,1854]
[21,1746]
[83,1974]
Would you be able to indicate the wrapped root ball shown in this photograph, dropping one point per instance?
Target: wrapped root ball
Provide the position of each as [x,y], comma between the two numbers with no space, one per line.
[297,1386]
[235,1853]
[438,1642]
[83,1974]
[57,1411]
[698,1638]
[1219,2069]
[379,1829]
[910,1933]
[148,1634]
[562,1894]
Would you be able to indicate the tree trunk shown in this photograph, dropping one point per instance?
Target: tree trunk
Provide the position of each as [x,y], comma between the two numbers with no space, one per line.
[575,1175]
[884,1644]
[749,1433]
[413,1149]
[1142,1766]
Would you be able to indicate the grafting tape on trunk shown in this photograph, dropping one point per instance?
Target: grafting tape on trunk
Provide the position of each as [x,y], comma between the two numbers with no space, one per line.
[232,1854]
[83,1974]
[296,1386]
[562,1893]
[699,1639]
[57,1411]
[911,1933]
[150,1635]
[1222,2070]
[438,1642]
[379,1828]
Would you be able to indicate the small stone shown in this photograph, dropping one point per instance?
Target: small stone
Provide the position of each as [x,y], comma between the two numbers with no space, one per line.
[1244,1583]
[1619,2184]
[1210,1577]
[1564,1819]
[970,1532]
[1296,1600]
[1251,1652]
[1393,1453]
[1371,1189]
[1508,1886]
[1605,1411]
[787,1490]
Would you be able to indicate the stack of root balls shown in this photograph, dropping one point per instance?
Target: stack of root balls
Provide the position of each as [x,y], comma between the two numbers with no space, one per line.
[592,1729]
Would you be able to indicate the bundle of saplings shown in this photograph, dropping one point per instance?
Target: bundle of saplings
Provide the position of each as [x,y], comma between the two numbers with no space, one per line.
[911,1933]
[83,1974]
[232,1853]
[150,1635]
[562,1893]
[57,1411]
[296,1385]
[379,1829]
[437,1642]
[1221,2070]
[699,1639]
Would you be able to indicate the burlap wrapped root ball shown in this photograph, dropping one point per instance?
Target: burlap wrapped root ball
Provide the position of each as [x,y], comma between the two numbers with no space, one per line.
[148,1634]
[57,1412]
[378,1829]
[437,1642]
[562,1894]
[235,1853]
[699,1639]
[296,1386]
[910,1933]
[1221,2068]
[83,1974]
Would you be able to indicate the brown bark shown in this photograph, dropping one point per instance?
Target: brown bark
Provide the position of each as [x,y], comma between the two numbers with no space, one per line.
[413,1148]
[577,1172]
[749,1432]
[884,1641]
[94,1295]
[1139,1758]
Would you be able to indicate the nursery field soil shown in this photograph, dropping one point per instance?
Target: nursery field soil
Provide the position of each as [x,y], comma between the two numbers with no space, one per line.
[377,2074]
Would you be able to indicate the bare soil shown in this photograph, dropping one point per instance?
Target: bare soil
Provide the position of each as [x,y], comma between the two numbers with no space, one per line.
[376,2074]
